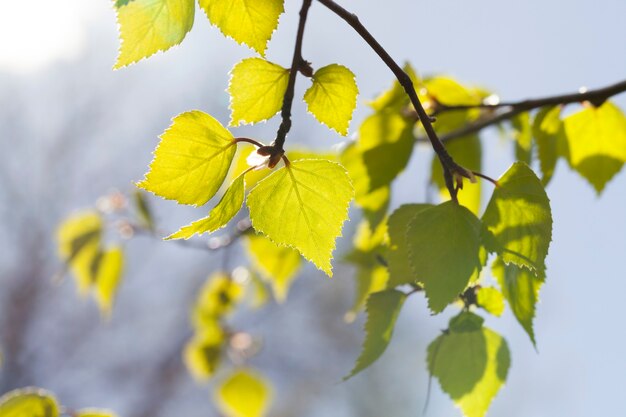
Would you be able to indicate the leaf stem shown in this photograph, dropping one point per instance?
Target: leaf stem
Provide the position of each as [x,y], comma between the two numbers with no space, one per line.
[296,64]
[248,140]
[450,168]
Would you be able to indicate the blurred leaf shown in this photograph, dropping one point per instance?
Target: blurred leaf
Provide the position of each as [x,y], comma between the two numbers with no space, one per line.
[218,297]
[519,218]
[396,98]
[29,402]
[202,354]
[382,310]
[150,26]
[256,89]
[220,215]
[244,394]
[303,205]
[523,135]
[471,363]
[278,265]
[369,279]
[521,288]
[549,134]
[490,300]
[192,159]
[94,412]
[144,213]
[250,23]
[108,278]
[467,152]
[332,97]
[260,293]
[596,140]
[444,246]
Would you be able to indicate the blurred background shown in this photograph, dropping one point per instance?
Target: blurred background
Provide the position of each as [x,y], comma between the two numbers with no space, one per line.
[71,129]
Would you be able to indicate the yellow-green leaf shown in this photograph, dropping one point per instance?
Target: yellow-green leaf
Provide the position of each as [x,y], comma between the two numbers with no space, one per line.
[519,219]
[29,402]
[332,97]
[278,265]
[149,26]
[596,140]
[218,297]
[444,251]
[523,135]
[79,242]
[94,412]
[244,394]
[303,205]
[192,159]
[471,363]
[248,22]
[202,354]
[382,310]
[369,279]
[490,300]
[108,278]
[222,213]
[550,136]
[395,97]
[256,89]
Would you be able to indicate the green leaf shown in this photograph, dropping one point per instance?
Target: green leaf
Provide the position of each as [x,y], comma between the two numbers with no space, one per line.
[519,219]
[303,205]
[549,136]
[520,288]
[490,300]
[94,412]
[150,26]
[192,159]
[471,363]
[382,310]
[256,89]
[400,270]
[596,140]
[523,135]
[332,97]
[79,244]
[108,278]
[467,152]
[29,402]
[369,279]
[203,354]
[222,213]
[444,245]
[218,297]
[248,22]
[278,265]
[244,394]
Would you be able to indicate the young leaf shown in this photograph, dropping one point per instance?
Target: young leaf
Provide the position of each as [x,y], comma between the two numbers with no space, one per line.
[444,245]
[222,213]
[332,97]
[248,22]
[244,394]
[278,264]
[382,310]
[490,300]
[596,140]
[400,270]
[108,278]
[29,402]
[521,288]
[256,89]
[519,219]
[303,205]
[149,26]
[549,134]
[191,161]
[471,363]
[202,354]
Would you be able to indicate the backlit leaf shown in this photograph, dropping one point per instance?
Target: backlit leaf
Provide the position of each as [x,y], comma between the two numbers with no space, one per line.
[149,26]
[491,300]
[244,394]
[94,412]
[520,288]
[596,140]
[549,136]
[222,213]
[444,246]
[395,97]
[278,265]
[248,22]
[256,89]
[303,205]
[218,297]
[192,159]
[108,278]
[29,402]
[369,279]
[522,133]
[332,97]
[471,363]
[519,218]
[202,354]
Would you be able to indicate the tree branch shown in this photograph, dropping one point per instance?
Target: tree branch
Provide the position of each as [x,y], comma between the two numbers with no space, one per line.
[451,169]
[595,97]
[296,64]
